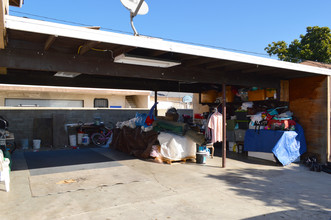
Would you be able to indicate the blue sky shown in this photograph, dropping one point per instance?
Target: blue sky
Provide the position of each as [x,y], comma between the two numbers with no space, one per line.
[239,25]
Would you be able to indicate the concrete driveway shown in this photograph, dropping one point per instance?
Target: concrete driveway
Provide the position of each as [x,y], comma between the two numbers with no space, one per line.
[129,188]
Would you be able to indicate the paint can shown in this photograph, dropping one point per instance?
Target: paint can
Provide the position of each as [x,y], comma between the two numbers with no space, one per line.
[85,140]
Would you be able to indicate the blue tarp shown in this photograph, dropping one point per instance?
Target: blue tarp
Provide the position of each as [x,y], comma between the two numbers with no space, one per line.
[287,146]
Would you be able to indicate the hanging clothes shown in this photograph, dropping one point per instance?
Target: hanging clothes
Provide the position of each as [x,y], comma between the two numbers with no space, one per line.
[216,125]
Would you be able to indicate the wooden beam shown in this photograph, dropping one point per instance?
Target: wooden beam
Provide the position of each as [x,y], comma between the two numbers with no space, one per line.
[196,62]
[93,65]
[122,49]
[3,11]
[51,39]
[156,53]
[256,69]
[87,46]
[219,64]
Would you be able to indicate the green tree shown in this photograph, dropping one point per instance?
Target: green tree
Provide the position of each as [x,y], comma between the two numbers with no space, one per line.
[315,45]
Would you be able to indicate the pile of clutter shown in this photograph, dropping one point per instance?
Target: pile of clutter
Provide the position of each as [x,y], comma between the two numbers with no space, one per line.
[278,118]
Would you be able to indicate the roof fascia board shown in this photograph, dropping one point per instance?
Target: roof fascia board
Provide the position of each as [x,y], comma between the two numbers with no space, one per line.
[51,28]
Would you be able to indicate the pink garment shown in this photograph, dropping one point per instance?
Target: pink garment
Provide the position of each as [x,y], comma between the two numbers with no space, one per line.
[215,124]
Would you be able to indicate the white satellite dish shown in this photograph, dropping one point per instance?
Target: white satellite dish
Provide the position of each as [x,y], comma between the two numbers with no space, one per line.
[132,5]
[135,7]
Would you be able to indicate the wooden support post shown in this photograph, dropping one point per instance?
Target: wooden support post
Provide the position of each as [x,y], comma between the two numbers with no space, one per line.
[224,126]
[155,101]
[328,153]
[4,4]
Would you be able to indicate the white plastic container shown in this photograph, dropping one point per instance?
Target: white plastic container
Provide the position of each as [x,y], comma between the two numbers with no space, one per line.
[80,138]
[36,144]
[72,140]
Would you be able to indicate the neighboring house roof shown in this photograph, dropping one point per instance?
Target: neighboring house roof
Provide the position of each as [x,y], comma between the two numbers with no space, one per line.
[317,64]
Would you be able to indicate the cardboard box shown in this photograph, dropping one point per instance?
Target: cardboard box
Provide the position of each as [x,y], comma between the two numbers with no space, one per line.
[256,95]
[270,93]
[208,96]
[229,94]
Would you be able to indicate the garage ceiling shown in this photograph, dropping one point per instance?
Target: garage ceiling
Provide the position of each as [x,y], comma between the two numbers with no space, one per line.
[33,57]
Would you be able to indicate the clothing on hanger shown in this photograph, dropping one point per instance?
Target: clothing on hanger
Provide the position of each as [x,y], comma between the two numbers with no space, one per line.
[216,126]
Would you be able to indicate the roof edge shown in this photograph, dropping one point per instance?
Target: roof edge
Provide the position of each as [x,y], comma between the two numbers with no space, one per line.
[51,28]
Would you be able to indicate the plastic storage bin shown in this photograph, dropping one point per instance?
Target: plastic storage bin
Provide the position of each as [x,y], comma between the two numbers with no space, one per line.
[240,134]
[243,124]
[241,115]
[230,125]
[230,136]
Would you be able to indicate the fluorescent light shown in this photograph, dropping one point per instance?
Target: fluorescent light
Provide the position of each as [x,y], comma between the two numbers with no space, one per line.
[67,74]
[145,61]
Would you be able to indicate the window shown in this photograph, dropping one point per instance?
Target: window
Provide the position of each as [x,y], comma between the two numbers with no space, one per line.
[100,103]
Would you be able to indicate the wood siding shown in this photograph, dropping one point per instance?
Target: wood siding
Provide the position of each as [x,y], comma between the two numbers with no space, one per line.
[308,100]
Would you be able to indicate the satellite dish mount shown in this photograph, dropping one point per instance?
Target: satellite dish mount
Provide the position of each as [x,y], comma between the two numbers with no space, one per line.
[135,7]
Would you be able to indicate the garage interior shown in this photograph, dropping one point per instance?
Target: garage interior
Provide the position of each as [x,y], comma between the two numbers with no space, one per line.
[36,50]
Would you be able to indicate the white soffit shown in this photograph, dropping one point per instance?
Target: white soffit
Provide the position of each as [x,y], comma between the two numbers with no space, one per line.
[50,28]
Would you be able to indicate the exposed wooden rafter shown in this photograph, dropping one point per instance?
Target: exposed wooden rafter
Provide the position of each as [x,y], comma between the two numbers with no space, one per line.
[87,46]
[156,53]
[51,61]
[196,62]
[122,49]
[50,41]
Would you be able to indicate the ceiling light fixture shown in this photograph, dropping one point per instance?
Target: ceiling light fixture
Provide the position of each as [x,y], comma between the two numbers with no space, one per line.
[145,61]
[67,74]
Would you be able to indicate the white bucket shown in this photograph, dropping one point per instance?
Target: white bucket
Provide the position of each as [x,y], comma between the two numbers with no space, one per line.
[79,138]
[36,144]
[25,143]
[72,140]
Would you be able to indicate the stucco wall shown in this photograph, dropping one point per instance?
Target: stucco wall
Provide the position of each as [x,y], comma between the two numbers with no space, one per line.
[88,99]
[141,101]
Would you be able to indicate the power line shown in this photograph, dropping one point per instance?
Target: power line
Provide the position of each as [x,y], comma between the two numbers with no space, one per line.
[126,32]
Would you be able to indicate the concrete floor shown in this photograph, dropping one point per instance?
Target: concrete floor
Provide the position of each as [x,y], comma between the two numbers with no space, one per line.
[148,190]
